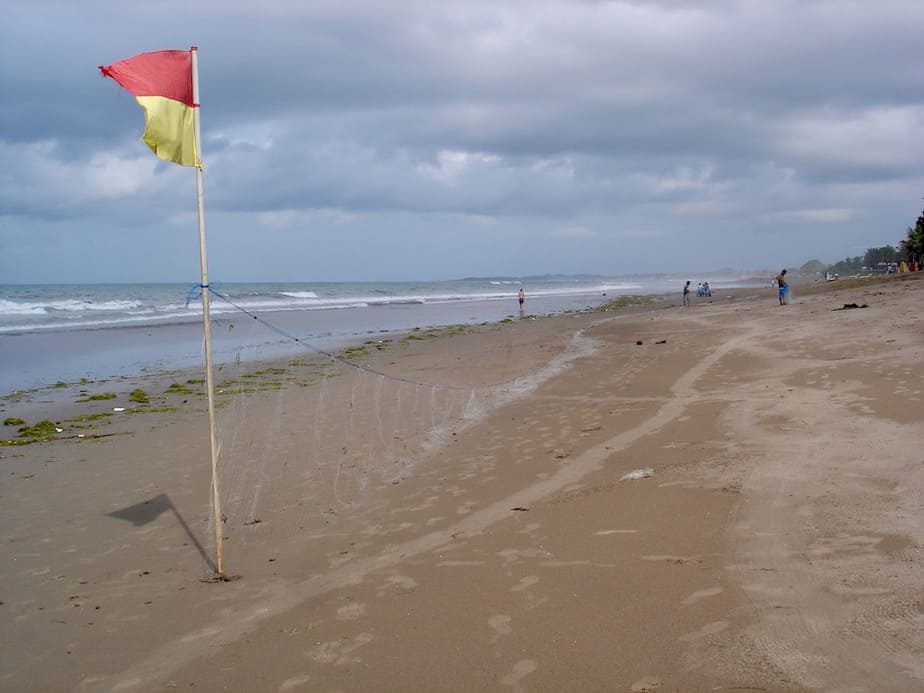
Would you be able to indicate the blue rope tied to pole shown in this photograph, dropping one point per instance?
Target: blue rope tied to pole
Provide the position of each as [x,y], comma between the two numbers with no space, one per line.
[194,294]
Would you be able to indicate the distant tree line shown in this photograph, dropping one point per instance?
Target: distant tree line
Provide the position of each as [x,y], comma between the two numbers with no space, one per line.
[876,259]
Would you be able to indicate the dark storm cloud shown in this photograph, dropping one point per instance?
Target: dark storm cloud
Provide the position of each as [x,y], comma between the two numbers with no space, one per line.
[728,116]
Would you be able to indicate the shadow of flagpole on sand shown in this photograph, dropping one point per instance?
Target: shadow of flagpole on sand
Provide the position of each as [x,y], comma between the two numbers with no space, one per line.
[147,511]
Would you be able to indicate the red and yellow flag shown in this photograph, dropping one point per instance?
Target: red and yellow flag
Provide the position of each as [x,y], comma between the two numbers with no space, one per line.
[162,83]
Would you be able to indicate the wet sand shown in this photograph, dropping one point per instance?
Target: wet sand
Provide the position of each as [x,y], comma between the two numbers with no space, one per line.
[484,535]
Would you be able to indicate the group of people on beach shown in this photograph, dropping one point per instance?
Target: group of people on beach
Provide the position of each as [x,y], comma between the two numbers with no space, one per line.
[702,290]
[705,290]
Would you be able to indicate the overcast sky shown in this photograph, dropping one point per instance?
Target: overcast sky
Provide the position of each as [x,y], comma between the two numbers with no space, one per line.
[379,140]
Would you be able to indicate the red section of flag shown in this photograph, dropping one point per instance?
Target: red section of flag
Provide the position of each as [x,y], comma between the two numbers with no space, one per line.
[158,73]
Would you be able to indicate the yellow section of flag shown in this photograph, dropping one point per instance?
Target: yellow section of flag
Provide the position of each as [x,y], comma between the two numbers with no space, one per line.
[170,130]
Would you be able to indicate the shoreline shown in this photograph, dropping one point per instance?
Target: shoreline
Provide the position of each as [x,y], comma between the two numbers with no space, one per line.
[55,349]
[59,402]
[106,353]
[387,533]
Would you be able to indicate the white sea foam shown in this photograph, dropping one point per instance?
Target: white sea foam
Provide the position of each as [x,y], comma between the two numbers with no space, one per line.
[125,321]
[73,305]
[15,308]
[79,306]
[299,294]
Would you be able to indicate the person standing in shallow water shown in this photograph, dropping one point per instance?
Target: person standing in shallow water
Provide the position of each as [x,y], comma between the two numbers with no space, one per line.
[686,294]
[521,297]
[783,287]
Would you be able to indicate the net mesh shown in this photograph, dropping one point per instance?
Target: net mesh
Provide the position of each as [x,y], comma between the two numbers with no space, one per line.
[305,439]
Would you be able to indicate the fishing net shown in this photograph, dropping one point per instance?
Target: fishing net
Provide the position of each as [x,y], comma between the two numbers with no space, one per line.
[309,437]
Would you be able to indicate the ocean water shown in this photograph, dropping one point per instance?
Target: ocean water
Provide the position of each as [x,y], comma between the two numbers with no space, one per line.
[63,333]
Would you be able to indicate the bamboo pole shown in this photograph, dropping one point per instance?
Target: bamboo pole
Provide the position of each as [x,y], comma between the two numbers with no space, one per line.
[206,323]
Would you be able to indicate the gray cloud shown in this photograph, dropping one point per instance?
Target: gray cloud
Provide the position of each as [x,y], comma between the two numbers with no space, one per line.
[597,125]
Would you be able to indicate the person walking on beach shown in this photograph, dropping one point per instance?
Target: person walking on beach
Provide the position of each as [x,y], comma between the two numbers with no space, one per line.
[521,297]
[783,287]
[686,294]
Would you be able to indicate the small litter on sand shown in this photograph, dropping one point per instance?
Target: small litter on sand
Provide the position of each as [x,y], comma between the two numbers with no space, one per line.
[118,409]
[637,474]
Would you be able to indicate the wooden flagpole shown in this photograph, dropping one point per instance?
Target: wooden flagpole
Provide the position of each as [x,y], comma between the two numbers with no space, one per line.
[206,323]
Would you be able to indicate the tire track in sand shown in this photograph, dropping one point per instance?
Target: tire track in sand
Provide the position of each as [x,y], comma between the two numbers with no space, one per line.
[278,598]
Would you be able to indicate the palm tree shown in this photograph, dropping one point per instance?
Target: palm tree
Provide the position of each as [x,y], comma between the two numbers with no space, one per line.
[912,247]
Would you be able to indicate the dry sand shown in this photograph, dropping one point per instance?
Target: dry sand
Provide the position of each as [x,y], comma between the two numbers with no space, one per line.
[389,536]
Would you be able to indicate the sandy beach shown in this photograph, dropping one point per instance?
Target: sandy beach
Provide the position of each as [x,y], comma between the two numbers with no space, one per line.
[724,497]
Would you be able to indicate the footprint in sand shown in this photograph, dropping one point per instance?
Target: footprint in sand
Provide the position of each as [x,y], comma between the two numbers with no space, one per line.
[501,625]
[402,581]
[351,611]
[428,502]
[524,667]
[338,651]
[705,631]
[649,683]
[701,594]
[510,556]
[525,583]
[293,683]
[605,532]
[530,527]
